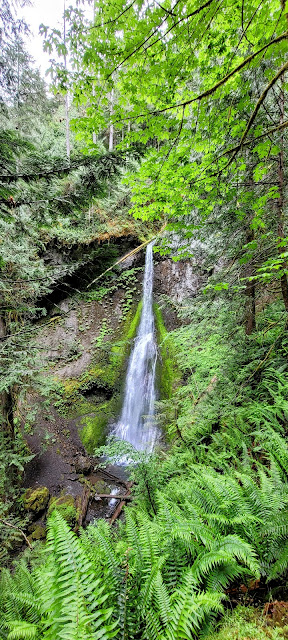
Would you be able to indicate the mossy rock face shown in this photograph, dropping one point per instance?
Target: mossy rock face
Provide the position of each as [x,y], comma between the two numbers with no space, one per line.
[167,372]
[65,504]
[36,500]
[76,398]
[94,427]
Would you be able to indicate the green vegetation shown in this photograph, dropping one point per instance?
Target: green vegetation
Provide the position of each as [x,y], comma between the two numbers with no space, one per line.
[65,505]
[246,622]
[178,116]
[168,375]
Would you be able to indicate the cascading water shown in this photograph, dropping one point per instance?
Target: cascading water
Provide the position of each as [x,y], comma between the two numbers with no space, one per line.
[136,424]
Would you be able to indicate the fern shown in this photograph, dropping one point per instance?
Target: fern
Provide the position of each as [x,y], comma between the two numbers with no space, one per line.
[63,598]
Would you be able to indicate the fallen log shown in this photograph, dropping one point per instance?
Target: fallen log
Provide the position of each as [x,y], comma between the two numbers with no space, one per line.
[115,496]
[121,504]
[112,477]
[82,507]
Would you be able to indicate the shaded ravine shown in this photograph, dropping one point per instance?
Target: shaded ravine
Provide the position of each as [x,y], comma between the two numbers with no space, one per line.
[136,424]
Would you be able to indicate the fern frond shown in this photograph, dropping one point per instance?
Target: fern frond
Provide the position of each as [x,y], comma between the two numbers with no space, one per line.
[21,630]
[71,596]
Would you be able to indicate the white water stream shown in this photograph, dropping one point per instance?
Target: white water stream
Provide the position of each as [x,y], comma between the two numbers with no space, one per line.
[136,424]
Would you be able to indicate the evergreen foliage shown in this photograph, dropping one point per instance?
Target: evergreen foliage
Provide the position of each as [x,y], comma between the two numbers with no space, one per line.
[193,99]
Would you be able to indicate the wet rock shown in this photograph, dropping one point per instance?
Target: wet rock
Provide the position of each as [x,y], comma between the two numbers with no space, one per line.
[65,504]
[101,487]
[83,465]
[36,500]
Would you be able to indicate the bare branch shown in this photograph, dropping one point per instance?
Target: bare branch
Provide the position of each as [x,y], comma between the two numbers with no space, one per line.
[13,526]
[256,109]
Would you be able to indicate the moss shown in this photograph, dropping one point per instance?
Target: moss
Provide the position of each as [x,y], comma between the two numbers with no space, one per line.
[247,623]
[101,487]
[36,500]
[94,425]
[132,322]
[93,432]
[39,532]
[167,371]
[65,504]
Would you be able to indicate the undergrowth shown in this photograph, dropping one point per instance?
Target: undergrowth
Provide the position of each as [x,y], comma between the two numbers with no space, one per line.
[209,514]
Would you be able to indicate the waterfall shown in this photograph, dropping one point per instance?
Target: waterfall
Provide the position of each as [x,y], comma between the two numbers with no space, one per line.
[136,424]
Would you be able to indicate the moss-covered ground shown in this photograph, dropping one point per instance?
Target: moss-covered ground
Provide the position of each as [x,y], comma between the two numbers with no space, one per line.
[248,623]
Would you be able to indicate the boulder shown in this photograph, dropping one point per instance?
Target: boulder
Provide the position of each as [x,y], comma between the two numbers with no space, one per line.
[36,500]
[83,465]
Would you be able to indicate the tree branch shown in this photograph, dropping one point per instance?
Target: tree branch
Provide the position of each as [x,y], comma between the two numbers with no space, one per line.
[99,26]
[13,526]
[132,53]
[173,143]
[189,15]
[216,86]
[256,109]
[252,140]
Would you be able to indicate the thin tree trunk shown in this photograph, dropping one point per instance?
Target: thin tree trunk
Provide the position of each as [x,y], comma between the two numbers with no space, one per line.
[6,399]
[68,150]
[67,95]
[111,127]
[250,292]
[280,201]
[94,136]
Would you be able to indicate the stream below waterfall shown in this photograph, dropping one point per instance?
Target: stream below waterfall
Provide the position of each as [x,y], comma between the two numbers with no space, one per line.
[136,424]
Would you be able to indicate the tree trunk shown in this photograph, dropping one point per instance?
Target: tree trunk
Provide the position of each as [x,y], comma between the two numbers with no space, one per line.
[6,398]
[67,122]
[250,319]
[111,127]
[280,201]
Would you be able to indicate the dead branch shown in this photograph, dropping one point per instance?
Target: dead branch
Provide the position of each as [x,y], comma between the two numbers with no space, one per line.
[120,506]
[13,526]
[208,389]
[127,255]
[115,496]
